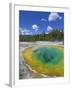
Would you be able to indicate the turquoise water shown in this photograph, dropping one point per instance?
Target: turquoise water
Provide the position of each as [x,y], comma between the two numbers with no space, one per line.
[48,55]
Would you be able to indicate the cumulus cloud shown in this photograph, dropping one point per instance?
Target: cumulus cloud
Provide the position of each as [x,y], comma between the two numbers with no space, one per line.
[49,29]
[35,27]
[53,16]
[43,19]
[25,32]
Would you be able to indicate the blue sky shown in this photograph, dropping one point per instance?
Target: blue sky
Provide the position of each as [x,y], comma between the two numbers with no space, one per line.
[34,22]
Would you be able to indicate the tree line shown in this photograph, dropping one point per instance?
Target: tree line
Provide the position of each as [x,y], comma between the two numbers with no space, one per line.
[55,35]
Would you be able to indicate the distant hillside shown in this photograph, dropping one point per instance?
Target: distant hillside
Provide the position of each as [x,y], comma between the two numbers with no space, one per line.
[55,35]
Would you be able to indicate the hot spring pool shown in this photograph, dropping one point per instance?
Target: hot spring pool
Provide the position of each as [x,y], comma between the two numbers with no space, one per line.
[45,60]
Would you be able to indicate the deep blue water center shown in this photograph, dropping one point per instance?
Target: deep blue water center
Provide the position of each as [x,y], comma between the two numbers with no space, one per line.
[48,55]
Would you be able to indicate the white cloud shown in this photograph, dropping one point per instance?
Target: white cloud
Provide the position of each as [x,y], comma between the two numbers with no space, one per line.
[25,32]
[46,32]
[35,27]
[49,29]
[43,19]
[53,16]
